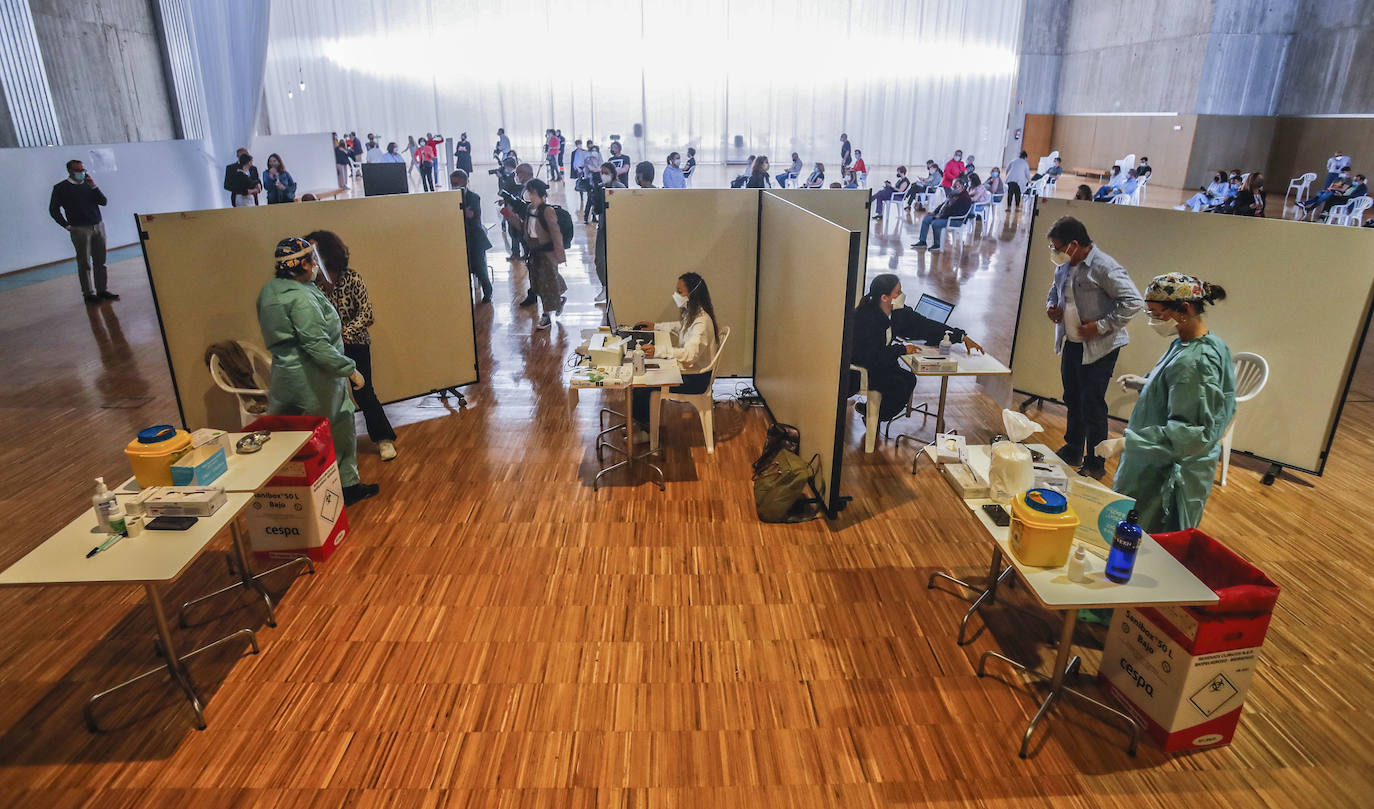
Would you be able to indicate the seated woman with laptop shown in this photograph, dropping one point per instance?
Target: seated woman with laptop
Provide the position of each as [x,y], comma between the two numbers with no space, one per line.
[697,339]
[882,317]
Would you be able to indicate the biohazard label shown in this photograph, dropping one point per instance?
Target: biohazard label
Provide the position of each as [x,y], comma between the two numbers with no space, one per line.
[1216,693]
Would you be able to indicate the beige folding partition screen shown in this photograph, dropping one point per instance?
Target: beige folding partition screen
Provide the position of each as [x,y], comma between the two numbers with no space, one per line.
[207,267]
[655,235]
[1298,294]
[846,208]
[806,293]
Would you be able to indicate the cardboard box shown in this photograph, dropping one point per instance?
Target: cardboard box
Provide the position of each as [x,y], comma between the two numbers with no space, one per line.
[1052,476]
[183,501]
[1184,701]
[950,448]
[937,365]
[964,481]
[286,521]
[200,467]
[1099,509]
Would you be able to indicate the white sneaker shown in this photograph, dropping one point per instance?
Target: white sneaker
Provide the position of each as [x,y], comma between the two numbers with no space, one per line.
[1180,207]
[387,449]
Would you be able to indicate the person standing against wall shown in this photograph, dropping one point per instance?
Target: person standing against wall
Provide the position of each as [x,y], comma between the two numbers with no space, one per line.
[1090,302]
[75,205]
[1018,177]
[477,241]
[462,153]
[278,181]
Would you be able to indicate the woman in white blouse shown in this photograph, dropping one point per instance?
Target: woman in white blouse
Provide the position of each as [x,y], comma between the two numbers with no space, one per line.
[696,336]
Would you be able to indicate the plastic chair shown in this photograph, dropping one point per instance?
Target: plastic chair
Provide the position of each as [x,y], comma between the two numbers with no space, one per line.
[1252,373]
[931,199]
[252,401]
[897,201]
[703,402]
[1302,185]
[1045,162]
[874,401]
[1350,214]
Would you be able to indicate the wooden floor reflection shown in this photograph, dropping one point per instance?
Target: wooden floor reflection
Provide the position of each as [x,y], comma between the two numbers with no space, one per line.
[493,633]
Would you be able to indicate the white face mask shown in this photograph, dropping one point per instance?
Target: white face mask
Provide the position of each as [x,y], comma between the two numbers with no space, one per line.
[1164,328]
[899,301]
[607,179]
[1059,257]
[679,300]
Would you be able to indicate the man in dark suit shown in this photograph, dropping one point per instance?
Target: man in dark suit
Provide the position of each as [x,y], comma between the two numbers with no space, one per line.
[230,180]
[478,243]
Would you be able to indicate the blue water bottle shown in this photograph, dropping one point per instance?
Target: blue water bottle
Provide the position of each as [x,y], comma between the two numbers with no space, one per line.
[1125,545]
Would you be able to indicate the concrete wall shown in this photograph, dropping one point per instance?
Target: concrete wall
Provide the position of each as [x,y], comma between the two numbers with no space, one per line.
[1230,142]
[104,65]
[1247,53]
[1331,60]
[1144,57]
[1037,73]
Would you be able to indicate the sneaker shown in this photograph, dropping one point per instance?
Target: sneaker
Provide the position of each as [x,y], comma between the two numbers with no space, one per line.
[561,301]
[544,321]
[1069,455]
[107,296]
[91,300]
[934,248]
[1180,207]
[386,449]
[601,296]
[530,300]
[918,246]
[360,492]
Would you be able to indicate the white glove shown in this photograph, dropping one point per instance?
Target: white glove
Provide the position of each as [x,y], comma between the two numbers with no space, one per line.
[356,379]
[1131,382]
[1110,448]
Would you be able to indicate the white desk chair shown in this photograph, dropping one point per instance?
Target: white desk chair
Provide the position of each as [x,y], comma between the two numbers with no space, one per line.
[930,200]
[1350,214]
[1252,373]
[893,209]
[252,401]
[964,225]
[873,402]
[703,402]
[1045,162]
[1302,185]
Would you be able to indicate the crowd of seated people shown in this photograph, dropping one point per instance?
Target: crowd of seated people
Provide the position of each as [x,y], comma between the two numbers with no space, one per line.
[1346,187]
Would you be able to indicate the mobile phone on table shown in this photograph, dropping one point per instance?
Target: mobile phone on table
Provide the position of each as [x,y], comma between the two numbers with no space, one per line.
[996,513]
[171,523]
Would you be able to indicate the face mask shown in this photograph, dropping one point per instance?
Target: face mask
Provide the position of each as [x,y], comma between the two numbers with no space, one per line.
[606,178]
[899,301]
[994,174]
[1059,257]
[528,199]
[679,300]
[272,164]
[79,176]
[1164,328]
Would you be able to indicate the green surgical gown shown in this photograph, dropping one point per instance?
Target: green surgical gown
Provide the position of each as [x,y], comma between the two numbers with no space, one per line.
[309,369]
[1173,440]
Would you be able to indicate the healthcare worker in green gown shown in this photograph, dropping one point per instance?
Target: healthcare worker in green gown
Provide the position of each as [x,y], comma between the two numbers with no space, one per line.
[310,371]
[1172,443]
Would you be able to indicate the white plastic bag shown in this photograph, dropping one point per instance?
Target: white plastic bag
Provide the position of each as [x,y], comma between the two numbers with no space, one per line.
[1012,471]
[1017,426]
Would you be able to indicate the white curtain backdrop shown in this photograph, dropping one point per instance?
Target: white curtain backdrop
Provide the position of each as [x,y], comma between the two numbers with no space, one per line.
[906,79]
[229,41]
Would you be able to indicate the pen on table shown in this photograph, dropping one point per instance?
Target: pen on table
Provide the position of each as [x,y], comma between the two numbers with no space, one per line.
[105,545]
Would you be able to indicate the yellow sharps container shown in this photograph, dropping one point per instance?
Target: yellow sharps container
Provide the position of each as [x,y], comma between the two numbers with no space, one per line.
[1042,526]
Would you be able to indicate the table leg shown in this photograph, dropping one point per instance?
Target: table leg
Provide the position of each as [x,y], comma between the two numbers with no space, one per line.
[1065,664]
[997,575]
[247,578]
[940,411]
[630,457]
[173,664]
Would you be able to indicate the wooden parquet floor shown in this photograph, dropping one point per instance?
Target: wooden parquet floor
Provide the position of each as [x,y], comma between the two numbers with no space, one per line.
[495,634]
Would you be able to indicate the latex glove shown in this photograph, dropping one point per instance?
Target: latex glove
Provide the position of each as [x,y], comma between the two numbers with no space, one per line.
[1131,382]
[356,379]
[1110,448]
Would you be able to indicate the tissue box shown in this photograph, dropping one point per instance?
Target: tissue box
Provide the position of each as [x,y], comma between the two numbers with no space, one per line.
[937,365]
[201,466]
[206,437]
[950,448]
[606,349]
[964,481]
[183,501]
[1099,509]
[1051,476]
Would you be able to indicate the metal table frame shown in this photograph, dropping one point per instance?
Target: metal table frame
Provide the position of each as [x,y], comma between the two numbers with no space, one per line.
[248,580]
[630,458]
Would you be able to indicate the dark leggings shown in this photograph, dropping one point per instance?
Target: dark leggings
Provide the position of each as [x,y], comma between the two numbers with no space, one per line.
[1013,195]
[378,427]
[691,384]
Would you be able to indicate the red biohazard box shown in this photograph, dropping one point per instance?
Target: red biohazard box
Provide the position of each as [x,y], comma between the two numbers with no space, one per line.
[1184,671]
[300,510]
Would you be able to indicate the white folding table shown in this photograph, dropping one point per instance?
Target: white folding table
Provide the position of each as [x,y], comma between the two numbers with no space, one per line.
[969,365]
[150,559]
[1159,580]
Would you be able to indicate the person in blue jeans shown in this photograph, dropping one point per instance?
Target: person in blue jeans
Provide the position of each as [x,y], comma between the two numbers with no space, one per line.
[958,204]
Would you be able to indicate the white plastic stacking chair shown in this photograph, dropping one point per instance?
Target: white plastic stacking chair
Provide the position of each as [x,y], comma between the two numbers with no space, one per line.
[1252,373]
[703,402]
[873,402]
[1350,214]
[931,199]
[1302,185]
[892,210]
[250,400]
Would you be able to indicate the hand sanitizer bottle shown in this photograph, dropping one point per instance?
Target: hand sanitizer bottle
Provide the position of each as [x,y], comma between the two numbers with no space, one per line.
[104,502]
[945,345]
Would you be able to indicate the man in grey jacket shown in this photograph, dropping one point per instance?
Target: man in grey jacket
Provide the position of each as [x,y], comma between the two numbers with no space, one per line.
[1091,301]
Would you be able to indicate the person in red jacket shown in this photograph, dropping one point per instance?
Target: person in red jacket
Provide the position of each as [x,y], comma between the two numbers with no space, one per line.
[553,148]
[860,167]
[954,169]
